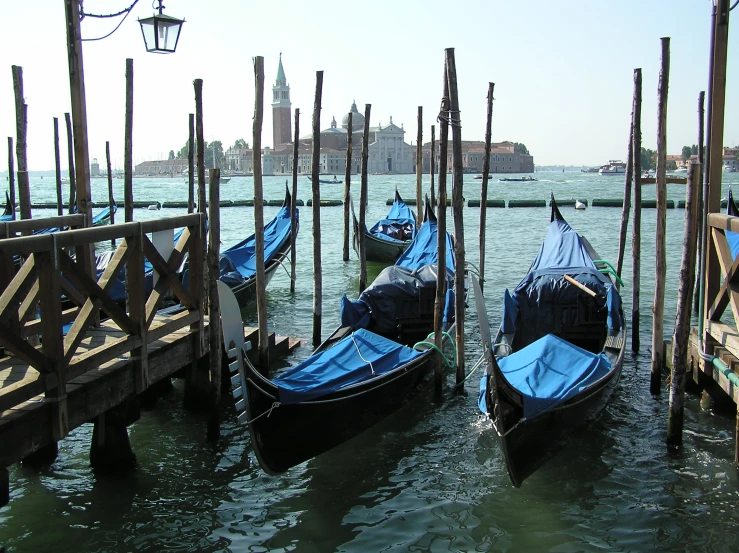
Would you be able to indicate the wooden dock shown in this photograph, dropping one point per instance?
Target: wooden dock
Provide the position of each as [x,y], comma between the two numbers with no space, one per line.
[53,381]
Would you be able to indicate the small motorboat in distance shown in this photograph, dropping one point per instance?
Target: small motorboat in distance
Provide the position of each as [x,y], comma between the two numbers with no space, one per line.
[389,237]
[579,205]
[520,179]
[558,354]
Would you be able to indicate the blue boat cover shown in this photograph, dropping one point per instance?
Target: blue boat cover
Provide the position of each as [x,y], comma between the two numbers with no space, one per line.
[544,290]
[549,372]
[241,257]
[396,292]
[358,357]
[732,237]
[398,226]
[422,250]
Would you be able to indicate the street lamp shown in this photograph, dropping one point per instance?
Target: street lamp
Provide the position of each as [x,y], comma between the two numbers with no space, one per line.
[161,32]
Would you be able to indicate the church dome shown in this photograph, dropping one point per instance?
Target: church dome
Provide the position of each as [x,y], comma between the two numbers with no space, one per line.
[357,118]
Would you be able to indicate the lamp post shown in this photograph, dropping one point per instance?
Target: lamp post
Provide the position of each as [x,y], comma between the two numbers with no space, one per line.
[161,32]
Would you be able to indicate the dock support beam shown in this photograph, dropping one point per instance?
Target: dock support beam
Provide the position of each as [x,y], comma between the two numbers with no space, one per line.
[110,448]
[42,457]
[4,486]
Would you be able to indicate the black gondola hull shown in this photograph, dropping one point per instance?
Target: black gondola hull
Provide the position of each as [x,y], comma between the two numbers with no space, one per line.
[531,443]
[292,434]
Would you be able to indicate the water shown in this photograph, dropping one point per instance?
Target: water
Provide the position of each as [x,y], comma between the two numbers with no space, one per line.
[429,478]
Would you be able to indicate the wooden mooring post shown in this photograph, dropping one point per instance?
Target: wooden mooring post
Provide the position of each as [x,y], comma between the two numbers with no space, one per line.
[214,319]
[347,187]
[200,157]
[11,175]
[191,164]
[21,127]
[636,231]
[128,146]
[362,242]
[316,195]
[431,166]
[294,207]
[440,300]
[58,170]
[70,165]
[627,202]
[658,307]
[702,196]
[419,168]
[457,205]
[111,199]
[684,302]
[259,215]
[484,187]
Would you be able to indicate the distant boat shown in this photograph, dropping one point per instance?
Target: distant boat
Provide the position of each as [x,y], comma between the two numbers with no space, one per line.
[579,205]
[326,181]
[729,168]
[520,179]
[682,169]
[614,167]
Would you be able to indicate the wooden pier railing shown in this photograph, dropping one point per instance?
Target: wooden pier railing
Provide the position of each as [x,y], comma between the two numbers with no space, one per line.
[44,288]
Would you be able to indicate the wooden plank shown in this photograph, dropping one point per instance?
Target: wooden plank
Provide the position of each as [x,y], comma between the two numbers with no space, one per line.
[17,288]
[724,335]
[722,221]
[96,357]
[20,348]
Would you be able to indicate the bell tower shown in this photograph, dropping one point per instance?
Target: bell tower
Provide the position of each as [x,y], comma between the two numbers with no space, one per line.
[281,116]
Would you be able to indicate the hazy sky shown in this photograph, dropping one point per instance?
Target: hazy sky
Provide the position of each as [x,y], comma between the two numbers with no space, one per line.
[563,71]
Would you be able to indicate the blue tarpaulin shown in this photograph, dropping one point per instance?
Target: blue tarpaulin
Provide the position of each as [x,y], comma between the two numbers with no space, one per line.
[398,226]
[549,372]
[543,292]
[358,357]
[396,291]
[732,237]
[243,255]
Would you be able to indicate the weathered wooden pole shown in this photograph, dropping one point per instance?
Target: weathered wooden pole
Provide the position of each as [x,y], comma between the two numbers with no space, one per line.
[440,301]
[636,231]
[21,126]
[85,254]
[294,205]
[200,156]
[11,175]
[484,189]
[191,164]
[111,199]
[363,202]
[702,198]
[259,214]
[128,145]
[713,172]
[419,168]
[627,202]
[661,254]
[58,170]
[316,197]
[214,320]
[682,320]
[457,205]
[70,164]
[431,166]
[347,186]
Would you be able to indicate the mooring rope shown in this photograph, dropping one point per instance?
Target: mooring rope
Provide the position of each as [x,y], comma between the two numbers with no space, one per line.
[268,412]
[480,362]
[360,355]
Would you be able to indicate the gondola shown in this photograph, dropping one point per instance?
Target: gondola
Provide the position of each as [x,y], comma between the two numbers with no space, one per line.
[558,354]
[103,218]
[363,372]
[238,267]
[386,241]
[8,213]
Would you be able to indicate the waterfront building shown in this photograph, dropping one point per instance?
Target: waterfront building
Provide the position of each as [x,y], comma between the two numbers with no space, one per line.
[505,157]
[162,167]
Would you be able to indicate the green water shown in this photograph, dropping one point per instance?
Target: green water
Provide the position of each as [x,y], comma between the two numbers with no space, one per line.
[429,478]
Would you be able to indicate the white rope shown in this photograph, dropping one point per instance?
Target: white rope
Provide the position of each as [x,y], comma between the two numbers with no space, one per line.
[360,355]
[268,412]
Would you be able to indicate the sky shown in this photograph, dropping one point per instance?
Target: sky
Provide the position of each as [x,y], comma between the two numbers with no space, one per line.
[563,71]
